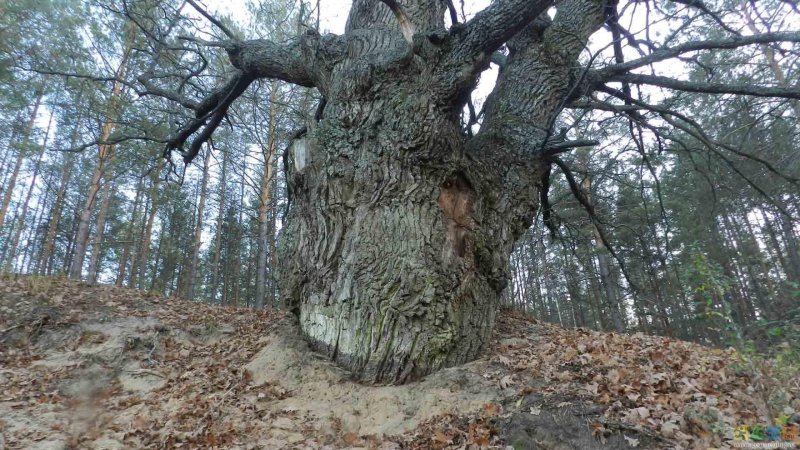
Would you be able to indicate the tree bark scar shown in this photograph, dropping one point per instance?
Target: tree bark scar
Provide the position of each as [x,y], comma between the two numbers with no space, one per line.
[456,198]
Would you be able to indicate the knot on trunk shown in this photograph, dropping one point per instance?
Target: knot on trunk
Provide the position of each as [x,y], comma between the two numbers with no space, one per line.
[456,198]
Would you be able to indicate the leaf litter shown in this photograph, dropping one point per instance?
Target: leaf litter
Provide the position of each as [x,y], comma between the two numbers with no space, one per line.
[93,366]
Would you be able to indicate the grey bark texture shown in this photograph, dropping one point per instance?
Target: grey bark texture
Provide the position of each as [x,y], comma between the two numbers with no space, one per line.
[397,243]
[396,247]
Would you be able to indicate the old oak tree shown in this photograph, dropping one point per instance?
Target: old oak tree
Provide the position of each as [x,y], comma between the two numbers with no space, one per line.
[395,248]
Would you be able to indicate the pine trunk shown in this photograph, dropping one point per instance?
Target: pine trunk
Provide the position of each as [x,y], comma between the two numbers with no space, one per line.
[99,231]
[265,201]
[129,230]
[22,152]
[215,259]
[139,267]
[191,270]
[105,154]
[24,214]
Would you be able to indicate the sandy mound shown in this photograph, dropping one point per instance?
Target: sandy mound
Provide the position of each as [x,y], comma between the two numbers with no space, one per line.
[97,367]
[323,392]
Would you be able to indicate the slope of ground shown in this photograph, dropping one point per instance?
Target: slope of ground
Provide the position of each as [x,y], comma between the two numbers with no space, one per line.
[98,367]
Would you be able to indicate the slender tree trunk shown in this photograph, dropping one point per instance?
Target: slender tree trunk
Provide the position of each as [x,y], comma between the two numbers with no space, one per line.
[769,54]
[191,275]
[781,263]
[104,157]
[82,233]
[265,200]
[139,267]
[33,241]
[744,304]
[155,274]
[47,257]
[70,250]
[9,187]
[8,154]
[273,289]
[24,214]
[218,234]
[129,233]
[100,231]
[239,241]
[606,280]
[792,249]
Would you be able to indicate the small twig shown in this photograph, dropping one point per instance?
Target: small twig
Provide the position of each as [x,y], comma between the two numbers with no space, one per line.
[146,372]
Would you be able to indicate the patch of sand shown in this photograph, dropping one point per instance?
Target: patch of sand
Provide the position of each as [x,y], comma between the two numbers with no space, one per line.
[323,392]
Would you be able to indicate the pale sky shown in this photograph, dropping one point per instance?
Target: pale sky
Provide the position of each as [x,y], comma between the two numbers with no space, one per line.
[333,13]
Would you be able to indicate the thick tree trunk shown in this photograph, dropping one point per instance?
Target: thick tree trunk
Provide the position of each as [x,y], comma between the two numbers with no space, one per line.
[399,265]
[396,249]
[397,244]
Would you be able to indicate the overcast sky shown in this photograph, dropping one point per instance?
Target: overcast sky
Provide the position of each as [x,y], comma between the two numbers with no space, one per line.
[333,13]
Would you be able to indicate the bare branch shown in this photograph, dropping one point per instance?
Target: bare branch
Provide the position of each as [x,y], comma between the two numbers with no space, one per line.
[213,20]
[496,24]
[698,4]
[406,27]
[587,205]
[565,146]
[713,44]
[453,13]
[708,88]
[113,140]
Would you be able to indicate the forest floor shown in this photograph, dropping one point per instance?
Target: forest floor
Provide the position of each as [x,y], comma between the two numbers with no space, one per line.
[85,366]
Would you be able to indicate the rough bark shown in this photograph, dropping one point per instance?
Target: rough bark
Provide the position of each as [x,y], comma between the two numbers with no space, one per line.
[398,240]
[396,249]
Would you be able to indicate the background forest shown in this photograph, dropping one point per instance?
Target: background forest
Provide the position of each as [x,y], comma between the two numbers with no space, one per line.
[694,237]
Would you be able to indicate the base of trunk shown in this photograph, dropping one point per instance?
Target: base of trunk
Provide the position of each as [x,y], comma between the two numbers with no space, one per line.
[394,349]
